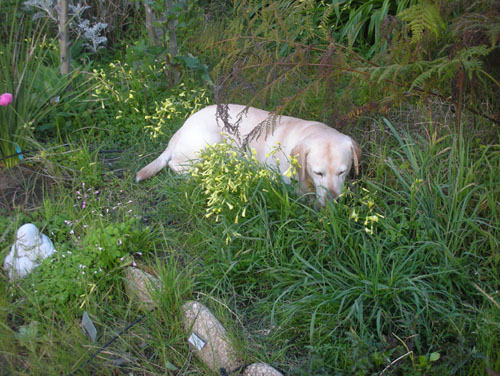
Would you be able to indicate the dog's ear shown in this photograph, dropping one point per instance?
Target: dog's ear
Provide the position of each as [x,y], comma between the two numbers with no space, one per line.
[356,155]
[300,152]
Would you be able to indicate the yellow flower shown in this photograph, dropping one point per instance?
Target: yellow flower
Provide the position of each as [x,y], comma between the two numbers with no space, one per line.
[288,173]
[371,218]
[354,215]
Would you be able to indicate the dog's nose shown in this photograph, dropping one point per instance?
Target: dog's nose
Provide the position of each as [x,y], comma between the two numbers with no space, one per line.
[326,194]
[333,193]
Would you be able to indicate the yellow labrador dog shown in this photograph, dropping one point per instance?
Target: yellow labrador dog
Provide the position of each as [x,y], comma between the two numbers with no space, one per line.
[325,155]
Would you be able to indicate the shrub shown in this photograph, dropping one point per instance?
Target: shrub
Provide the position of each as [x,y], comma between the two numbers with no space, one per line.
[135,103]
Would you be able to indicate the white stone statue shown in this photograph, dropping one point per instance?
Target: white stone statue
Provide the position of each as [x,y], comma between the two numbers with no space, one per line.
[28,251]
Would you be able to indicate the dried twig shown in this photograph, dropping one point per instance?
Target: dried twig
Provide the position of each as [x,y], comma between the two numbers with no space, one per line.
[395,361]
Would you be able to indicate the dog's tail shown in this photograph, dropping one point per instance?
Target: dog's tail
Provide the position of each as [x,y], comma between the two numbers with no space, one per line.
[154,167]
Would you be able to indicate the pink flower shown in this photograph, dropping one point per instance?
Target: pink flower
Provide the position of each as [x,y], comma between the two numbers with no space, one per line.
[5,99]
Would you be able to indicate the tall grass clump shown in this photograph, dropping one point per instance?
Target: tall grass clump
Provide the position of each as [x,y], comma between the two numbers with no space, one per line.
[396,269]
[28,72]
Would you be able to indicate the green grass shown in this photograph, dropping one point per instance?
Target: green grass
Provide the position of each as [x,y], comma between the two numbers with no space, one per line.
[400,275]
[319,280]
[404,264]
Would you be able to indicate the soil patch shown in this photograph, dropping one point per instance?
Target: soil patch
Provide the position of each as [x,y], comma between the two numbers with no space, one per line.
[22,186]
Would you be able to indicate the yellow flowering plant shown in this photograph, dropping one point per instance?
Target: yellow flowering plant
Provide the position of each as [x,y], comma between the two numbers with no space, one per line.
[229,178]
[237,188]
[362,208]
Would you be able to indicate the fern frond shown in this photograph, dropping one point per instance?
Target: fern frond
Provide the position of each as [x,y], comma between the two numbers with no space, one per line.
[475,52]
[470,59]
[325,17]
[421,17]
[441,69]
[389,73]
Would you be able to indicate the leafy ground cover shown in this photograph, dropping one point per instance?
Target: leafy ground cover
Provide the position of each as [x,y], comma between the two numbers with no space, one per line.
[399,276]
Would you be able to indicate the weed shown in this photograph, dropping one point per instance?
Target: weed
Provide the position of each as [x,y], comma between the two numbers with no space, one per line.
[78,273]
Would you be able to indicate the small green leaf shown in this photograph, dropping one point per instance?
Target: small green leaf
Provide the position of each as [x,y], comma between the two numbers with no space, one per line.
[422,360]
[170,366]
[434,356]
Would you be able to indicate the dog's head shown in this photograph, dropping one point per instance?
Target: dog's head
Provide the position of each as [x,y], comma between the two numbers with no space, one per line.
[324,165]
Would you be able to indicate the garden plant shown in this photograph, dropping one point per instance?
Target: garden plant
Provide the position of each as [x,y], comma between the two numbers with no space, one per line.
[400,275]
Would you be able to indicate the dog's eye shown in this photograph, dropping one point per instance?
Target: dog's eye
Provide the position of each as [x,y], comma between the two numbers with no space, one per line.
[319,173]
[341,173]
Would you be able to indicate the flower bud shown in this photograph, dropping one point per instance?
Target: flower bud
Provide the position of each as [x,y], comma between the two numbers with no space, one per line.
[5,99]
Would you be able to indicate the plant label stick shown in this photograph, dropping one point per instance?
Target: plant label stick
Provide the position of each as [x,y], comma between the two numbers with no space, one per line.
[88,327]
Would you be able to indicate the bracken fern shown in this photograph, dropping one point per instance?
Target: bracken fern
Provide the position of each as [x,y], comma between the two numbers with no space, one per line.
[422,17]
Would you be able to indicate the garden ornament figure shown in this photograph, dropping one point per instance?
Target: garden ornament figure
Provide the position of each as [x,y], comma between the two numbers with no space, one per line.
[29,250]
